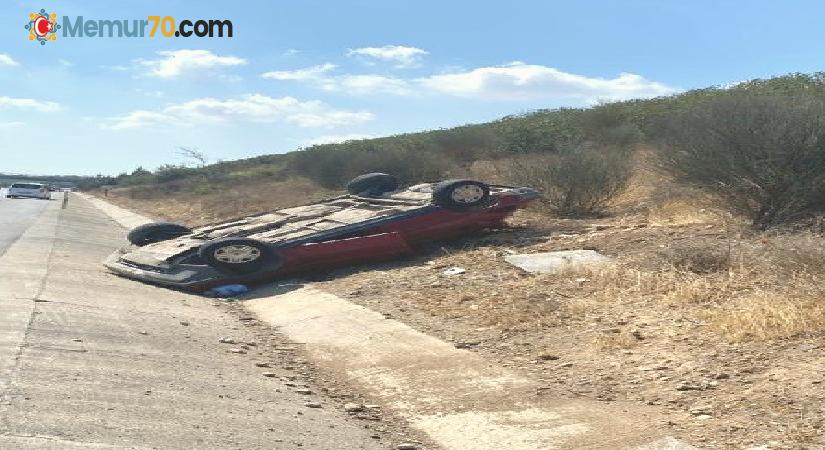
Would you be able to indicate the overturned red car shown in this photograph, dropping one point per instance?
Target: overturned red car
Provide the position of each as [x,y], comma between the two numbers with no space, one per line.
[375,221]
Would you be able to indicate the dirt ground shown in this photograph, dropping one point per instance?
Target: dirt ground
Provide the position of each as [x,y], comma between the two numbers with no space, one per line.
[721,328]
[730,349]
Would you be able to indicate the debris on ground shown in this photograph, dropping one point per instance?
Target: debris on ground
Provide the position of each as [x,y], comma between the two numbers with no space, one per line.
[229,290]
[556,262]
[454,271]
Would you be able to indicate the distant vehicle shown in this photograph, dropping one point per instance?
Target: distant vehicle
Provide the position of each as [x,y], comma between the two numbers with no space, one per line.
[29,190]
[376,221]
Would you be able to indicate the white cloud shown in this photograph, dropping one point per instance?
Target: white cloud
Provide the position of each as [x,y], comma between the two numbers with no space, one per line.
[248,108]
[512,82]
[29,103]
[310,73]
[6,60]
[402,56]
[520,81]
[291,52]
[337,138]
[7,125]
[368,85]
[140,119]
[65,63]
[173,64]
[351,84]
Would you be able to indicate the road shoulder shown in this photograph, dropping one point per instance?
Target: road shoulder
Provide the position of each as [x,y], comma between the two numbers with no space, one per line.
[104,362]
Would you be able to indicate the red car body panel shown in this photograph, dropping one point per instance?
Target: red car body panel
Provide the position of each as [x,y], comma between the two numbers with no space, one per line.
[391,240]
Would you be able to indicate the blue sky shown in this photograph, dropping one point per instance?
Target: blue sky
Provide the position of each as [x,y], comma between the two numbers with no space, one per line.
[299,72]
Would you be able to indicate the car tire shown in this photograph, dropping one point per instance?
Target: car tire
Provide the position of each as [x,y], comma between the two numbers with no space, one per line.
[461,194]
[239,255]
[372,184]
[151,233]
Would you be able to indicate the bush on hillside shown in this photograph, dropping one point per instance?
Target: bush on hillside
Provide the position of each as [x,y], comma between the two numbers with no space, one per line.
[173,172]
[765,155]
[333,167]
[464,145]
[576,182]
[611,124]
[547,131]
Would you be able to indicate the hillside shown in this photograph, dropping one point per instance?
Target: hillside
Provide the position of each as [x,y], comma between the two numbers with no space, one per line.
[709,202]
[524,149]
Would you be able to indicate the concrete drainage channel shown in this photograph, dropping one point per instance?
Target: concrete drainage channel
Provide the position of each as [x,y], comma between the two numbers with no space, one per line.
[457,398]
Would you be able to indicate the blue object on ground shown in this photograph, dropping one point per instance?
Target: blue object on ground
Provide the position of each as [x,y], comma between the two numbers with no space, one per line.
[228,290]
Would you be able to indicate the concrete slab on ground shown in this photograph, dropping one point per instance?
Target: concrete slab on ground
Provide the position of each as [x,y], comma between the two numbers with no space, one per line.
[557,262]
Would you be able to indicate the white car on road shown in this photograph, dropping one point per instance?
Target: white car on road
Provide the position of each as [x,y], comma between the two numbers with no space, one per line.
[30,190]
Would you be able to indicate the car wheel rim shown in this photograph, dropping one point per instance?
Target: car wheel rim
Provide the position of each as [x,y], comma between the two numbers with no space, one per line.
[237,254]
[469,193]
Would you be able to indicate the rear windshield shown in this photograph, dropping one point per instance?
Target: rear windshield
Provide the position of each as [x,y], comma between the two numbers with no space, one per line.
[26,186]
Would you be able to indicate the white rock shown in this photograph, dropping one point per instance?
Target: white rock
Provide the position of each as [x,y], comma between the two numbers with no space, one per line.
[555,262]
[454,271]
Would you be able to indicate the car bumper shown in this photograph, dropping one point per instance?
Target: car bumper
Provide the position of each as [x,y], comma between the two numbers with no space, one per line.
[39,196]
[181,276]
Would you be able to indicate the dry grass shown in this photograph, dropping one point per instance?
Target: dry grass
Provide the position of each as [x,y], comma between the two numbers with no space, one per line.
[740,289]
[769,294]
[219,202]
[771,315]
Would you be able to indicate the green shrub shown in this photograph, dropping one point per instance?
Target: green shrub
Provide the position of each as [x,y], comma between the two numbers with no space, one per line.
[765,155]
[576,182]
[172,172]
[464,145]
[332,166]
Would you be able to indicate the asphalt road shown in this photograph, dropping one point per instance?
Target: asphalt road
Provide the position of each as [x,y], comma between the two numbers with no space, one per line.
[16,215]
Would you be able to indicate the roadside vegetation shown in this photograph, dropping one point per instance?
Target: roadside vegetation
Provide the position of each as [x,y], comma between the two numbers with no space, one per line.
[710,202]
[758,146]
